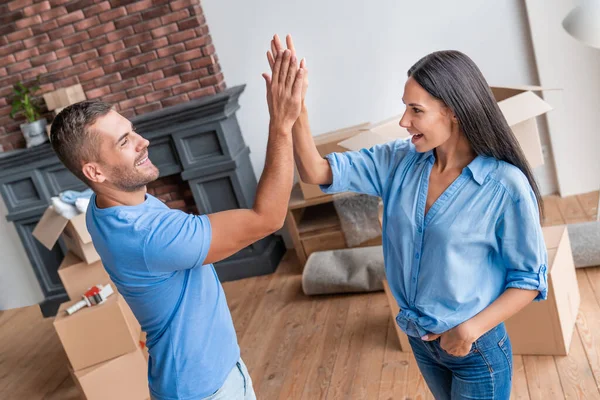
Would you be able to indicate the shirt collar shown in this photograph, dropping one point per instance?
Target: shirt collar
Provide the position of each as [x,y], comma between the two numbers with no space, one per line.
[480,167]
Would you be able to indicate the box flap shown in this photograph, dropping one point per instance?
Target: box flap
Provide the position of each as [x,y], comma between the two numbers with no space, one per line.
[553,235]
[523,106]
[339,134]
[48,230]
[80,227]
[70,260]
[381,132]
[504,92]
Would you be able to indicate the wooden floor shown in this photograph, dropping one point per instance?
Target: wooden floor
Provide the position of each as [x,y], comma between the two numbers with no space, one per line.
[329,347]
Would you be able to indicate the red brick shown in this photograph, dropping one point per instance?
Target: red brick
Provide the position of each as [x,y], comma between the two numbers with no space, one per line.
[208,50]
[214,69]
[197,43]
[120,34]
[159,95]
[177,69]
[111,48]
[156,12]
[87,86]
[188,23]
[45,27]
[101,29]
[68,51]
[19,66]
[17,4]
[53,13]
[179,4]
[69,81]
[149,77]
[60,33]
[133,72]
[98,92]
[139,6]
[25,54]
[3,72]
[178,37]
[143,58]
[75,70]
[20,35]
[127,53]
[25,22]
[146,26]
[7,60]
[129,114]
[196,9]
[137,39]
[43,59]
[167,82]
[112,14]
[34,72]
[164,30]
[188,55]
[170,50]
[123,85]
[186,87]
[174,17]
[131,103]
[196,74]
[117,67]
[59,64]
[201,92]
[75,5]
[176,204]
[101,61]
[51,46]
[96,9]
[91,74]
[108,79]
[36,8]
[87,23]
[84,56]
[94,43]
[11,48]
[153,45]
[128,21]
[164,197]
[140,90]
[171,101]
[160,63]
[70,18]
[36,40]
[76,38]
[203,62]
[211,80]
[115,97]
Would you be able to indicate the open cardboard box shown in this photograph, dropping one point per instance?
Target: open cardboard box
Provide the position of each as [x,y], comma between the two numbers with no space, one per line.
[99,333]
[74,232]
[77,276]
[60,98]
[541,328]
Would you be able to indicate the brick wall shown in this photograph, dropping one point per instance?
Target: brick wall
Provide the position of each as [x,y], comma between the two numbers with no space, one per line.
[138,55]
[174,192]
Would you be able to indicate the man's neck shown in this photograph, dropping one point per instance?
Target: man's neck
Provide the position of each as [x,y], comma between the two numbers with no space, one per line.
[109,197]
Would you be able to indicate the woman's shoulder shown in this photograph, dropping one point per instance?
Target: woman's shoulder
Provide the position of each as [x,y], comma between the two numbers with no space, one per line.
[512,179]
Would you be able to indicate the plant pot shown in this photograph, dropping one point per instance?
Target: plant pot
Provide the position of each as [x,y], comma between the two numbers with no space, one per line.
[35,132]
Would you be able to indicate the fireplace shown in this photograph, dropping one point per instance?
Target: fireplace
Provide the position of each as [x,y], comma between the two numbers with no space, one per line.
[204,168]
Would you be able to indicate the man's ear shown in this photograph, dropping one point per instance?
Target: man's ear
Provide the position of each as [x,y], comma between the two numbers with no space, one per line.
[93,172]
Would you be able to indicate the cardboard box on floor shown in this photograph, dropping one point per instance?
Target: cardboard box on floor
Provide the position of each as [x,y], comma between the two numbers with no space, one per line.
[74,233]
[77,276]
[97,334]
[541,328]
[122,378]
[63,97]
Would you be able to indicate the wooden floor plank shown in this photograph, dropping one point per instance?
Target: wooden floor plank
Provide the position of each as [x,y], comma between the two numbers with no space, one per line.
[542,378]
[552,214]
[394,372]
[589,203]
[519,390]
[571,210]
[588,320]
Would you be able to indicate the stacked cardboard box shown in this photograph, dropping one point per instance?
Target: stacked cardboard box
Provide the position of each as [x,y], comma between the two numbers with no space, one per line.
[61,98]
[103,342]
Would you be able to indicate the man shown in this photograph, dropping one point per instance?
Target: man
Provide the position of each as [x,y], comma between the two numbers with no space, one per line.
[161,259]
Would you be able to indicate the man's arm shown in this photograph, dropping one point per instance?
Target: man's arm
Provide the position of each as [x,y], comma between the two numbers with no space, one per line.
[234,230]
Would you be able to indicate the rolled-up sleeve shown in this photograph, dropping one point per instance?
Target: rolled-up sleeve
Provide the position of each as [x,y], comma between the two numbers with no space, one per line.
[522,246]
[364,171]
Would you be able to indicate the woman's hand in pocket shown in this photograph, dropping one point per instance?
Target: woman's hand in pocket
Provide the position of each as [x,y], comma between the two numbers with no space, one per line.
[457,341]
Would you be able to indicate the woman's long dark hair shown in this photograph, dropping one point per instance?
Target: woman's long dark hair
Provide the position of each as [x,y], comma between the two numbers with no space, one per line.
[453,78]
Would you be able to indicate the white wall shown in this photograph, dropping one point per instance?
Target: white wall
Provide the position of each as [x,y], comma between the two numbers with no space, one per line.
[358,53]
[18,284]
[574,124]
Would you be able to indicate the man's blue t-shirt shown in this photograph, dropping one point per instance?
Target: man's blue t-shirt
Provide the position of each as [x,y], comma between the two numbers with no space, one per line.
[155,257]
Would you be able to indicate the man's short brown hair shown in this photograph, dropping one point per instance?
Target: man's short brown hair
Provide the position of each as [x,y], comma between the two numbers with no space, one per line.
[71,136]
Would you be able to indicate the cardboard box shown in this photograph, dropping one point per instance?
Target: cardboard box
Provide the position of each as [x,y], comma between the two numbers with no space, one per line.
[541,328]
[77,276]
[63,97]
[74,232]
[122,378]
[97,334]
[328,143]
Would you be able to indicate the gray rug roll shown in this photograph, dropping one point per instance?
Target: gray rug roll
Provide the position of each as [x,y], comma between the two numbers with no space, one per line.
[585,243]
[344,271]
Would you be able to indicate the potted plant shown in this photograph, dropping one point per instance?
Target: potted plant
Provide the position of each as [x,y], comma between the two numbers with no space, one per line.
[34,130]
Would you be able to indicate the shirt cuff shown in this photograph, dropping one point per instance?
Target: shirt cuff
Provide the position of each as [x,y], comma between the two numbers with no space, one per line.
[335,186]
[530,281]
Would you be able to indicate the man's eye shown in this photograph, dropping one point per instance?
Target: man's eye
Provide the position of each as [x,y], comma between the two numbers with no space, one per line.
[124,142]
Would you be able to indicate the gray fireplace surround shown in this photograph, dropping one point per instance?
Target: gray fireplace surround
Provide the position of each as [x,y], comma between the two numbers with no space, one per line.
[200,140]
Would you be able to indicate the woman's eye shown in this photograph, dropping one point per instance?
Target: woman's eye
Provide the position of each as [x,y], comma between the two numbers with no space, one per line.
[416,110]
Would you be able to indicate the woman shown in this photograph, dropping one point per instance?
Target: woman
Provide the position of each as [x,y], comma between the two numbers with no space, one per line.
[462,239]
